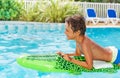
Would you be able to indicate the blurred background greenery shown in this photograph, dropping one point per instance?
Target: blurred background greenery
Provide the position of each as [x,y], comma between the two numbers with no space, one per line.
[53,11]
[42,11]
[10,9]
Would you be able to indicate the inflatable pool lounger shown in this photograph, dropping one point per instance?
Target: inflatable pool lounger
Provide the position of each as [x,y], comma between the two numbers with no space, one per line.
[55,63]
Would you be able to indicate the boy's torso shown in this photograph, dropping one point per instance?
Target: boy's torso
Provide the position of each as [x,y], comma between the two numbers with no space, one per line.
[97,51]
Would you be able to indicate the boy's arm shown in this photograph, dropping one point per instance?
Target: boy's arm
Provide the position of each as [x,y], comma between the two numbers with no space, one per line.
[77,51]
[88,56]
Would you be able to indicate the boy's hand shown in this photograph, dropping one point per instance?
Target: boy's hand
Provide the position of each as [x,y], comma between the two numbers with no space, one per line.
[60,53]
[66,57]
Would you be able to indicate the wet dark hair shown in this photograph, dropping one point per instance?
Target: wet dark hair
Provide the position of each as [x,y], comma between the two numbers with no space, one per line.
[77,22]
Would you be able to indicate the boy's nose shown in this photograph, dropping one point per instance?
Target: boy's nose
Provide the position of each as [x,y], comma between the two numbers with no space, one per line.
[65,32]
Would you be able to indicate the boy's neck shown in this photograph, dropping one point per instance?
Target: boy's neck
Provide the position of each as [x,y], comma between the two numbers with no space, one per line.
[80,39]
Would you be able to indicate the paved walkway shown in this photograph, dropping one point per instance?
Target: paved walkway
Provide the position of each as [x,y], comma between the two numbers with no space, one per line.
[102,24]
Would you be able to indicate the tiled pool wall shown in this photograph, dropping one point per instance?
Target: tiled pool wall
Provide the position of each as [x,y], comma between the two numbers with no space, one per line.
[13,27]
[19,27]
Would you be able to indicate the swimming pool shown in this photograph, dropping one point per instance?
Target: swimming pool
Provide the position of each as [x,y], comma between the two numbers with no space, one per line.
[18,38]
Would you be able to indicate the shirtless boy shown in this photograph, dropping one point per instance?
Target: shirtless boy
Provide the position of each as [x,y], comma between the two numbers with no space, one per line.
[75,30]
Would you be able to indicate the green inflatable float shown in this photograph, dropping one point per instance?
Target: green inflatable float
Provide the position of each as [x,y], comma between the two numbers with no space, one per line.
[55,63]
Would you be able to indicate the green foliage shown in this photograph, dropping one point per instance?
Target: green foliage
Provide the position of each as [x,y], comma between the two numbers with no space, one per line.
[57,11]
[31,13]
[9,9]
[53,11]
[41,11]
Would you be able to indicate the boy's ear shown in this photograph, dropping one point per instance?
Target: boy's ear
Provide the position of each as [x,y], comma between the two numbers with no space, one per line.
[78,32]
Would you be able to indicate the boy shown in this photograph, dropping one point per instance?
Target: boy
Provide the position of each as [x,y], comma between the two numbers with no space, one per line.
[75,30]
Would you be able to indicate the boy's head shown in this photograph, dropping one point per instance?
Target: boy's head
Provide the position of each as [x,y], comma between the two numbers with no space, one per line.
[77,23]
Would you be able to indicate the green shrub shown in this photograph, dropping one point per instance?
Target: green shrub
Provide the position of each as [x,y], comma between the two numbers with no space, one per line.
[52,11]
[57,11]
[10,10]
[41,11]
[31,13]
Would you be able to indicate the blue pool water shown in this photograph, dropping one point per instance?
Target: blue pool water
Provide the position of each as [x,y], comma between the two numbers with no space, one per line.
[18,39]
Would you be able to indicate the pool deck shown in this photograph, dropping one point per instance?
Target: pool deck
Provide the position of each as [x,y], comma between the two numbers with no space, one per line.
[103,24]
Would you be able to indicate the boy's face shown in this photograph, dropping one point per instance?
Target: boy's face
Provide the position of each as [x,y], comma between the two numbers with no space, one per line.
[69,32]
